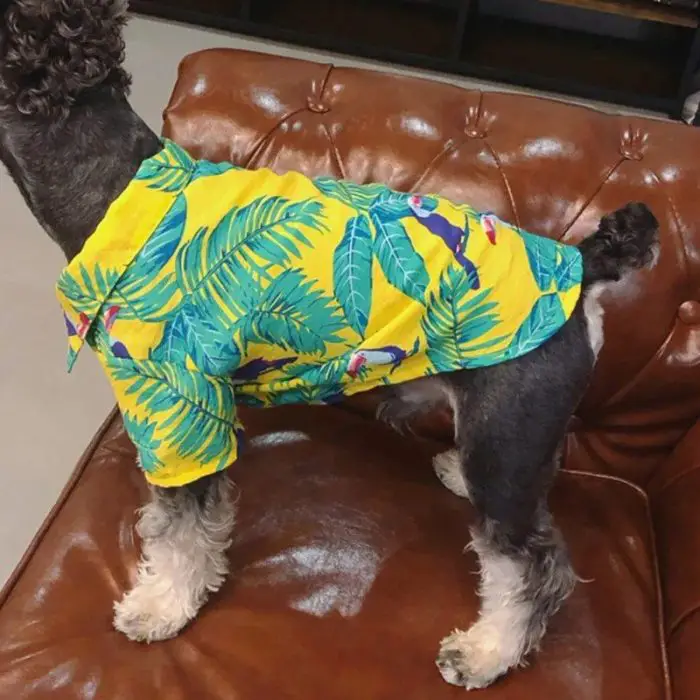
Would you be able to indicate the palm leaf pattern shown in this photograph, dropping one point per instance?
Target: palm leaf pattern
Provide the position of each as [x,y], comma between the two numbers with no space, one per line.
[352,273]
[456,319]
[173,169]
[143,435]
[168,171]
[569,270]
[359,197]
[402,265]
[293,315]
[88,291]
[542,257]
[144,292]
[379,214]
[195,410]
[544,320]
[213,296]
[231,262]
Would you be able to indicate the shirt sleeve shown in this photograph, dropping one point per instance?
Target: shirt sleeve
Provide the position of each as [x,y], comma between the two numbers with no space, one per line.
[183,422]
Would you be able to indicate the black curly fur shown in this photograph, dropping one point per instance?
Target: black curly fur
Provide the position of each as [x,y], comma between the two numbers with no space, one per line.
[68,136]
[625,239]
[54,50]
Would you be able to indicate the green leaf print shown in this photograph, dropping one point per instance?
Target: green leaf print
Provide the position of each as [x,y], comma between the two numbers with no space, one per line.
[88,292]
[142,434]
[213,350]
[306,395]
[455,321]
[569,269]
[168,171]
[545,319]
[359,197]
[294,316]
[142,298]
[199,410]
[541,254]
[401,264]
[229,261]
[352,273]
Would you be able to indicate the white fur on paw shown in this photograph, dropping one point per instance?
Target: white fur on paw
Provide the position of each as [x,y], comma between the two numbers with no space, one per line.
[473,659]
[147,613]
[448,469]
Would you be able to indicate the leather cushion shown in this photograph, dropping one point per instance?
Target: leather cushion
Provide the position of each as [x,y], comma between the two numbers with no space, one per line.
[348,569]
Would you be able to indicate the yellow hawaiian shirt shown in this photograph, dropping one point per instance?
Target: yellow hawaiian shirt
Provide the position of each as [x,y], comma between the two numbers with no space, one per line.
[206,286]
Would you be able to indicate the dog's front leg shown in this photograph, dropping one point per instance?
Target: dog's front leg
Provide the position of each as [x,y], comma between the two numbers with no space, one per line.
[185,532]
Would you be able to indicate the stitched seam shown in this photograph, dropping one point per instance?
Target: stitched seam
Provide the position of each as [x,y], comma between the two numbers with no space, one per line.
[595,192]
[335,151]
[266,137]
[663,647]
[446,148]
[506,183]
[682,619]
[324,82]
[678,477]
[607,477]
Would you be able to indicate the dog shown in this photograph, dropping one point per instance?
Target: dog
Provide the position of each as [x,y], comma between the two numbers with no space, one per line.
[73,145]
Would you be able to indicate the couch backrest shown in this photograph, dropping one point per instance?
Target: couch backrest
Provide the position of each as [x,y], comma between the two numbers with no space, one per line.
[551,168]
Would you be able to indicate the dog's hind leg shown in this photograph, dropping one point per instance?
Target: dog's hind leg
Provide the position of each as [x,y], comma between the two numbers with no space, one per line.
[185,532]
[402,402]
[511,420]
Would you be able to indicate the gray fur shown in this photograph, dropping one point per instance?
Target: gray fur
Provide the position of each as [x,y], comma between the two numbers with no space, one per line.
[185,533]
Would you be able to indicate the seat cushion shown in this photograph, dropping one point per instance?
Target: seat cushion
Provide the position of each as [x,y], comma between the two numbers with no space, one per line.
[348,568]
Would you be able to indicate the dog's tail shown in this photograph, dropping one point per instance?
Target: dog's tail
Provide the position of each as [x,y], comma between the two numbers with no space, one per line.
[625,240]
[54,51]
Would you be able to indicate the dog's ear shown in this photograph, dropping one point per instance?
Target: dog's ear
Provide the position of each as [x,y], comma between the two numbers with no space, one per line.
[55,51]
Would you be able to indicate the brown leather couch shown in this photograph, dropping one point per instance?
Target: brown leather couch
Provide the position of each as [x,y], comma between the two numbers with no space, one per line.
[348,557]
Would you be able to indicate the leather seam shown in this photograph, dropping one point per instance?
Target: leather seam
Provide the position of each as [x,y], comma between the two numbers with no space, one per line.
[446,148]
[266,137]
[660,616]
[335,151]
[660,612]
[506,182]
[607,477]
[595,192]
[675,479]
[682,619]
[62,499]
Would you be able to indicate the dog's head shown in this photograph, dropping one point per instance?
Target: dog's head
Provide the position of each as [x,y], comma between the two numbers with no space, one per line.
[54,53]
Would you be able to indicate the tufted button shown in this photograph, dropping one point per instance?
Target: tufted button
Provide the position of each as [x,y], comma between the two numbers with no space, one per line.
[316,106]
[471,123]
[689,312]
[633,144]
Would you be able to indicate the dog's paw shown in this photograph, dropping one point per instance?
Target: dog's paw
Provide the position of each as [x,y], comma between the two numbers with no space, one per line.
[472,659]
[448,469]
[149,614]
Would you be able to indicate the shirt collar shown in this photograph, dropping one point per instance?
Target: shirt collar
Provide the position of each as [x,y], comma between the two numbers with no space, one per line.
[90,277]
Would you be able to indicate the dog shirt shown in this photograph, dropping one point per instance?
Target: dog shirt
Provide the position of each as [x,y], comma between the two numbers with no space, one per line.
[208,285]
